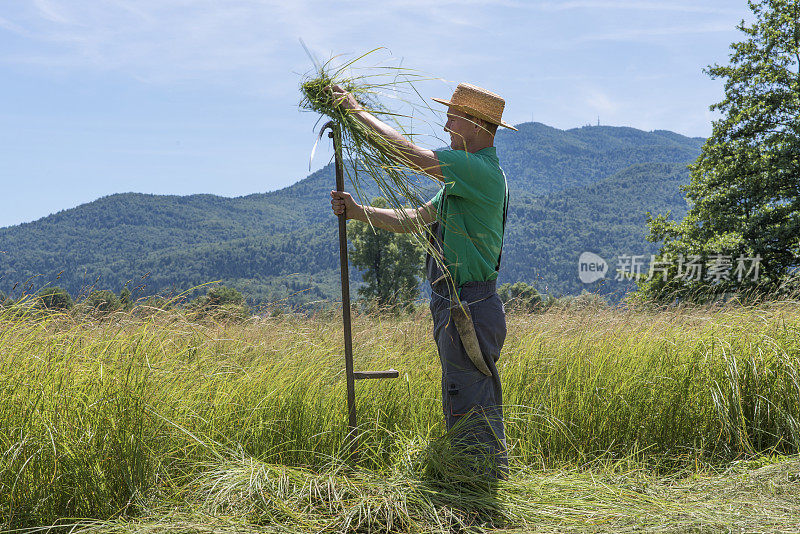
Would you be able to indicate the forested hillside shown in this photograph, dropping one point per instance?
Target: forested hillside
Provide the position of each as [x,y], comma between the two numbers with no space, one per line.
[546,235]
[585,189]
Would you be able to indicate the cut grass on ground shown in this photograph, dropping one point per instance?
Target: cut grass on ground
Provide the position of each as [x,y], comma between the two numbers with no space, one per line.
[616,419]
[602,500]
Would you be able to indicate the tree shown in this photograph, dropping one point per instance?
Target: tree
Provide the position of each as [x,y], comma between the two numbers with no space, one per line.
[103,301]
[520,296]
[392,263]
[743,223]
[55,298]
[223,296]
[221,302]
[585,300]
[125,298]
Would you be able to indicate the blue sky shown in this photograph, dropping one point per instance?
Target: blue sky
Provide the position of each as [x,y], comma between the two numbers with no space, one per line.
[201,96]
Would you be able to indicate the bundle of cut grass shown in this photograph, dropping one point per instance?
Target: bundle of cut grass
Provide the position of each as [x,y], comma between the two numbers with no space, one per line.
[368,155]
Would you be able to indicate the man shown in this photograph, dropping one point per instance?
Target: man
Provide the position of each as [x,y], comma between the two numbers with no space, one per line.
[468,221]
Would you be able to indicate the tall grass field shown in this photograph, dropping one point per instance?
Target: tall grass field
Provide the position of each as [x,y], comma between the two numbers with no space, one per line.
[662,420]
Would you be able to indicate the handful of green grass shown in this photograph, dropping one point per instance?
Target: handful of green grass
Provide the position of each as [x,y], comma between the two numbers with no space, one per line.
[366,154]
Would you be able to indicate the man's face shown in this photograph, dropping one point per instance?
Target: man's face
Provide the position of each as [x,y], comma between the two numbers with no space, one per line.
[460,126]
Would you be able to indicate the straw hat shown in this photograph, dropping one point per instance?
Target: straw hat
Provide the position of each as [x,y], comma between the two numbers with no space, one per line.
[477,102]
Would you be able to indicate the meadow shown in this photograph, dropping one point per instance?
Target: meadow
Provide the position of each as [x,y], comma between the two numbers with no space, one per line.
[679,419]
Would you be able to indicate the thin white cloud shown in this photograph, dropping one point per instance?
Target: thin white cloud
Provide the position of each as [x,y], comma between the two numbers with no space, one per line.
[610,76]
[601,102]
[10,26]
[252,45]
[151,39]
[640,34]
[50,12]
[179,39]
[631,6]
[186,39]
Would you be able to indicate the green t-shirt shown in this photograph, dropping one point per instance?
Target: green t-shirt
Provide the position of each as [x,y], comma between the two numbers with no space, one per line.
[474,193]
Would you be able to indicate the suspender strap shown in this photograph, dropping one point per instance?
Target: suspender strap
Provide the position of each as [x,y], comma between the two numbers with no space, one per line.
[503,238]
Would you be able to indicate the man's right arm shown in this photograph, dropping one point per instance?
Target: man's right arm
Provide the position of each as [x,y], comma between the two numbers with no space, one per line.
[400,221]
[398,147]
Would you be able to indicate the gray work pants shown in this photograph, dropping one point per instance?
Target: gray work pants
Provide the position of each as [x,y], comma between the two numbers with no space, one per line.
[472,401]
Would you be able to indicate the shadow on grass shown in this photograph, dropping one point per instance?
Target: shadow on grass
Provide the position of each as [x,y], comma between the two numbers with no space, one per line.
[457,476]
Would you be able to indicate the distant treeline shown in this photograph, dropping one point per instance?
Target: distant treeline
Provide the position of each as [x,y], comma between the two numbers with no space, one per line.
[222,302]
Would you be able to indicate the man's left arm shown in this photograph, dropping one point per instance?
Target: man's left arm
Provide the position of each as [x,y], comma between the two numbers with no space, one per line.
[401,221]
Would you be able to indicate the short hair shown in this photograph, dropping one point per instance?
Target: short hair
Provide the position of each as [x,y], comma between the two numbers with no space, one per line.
[486,125]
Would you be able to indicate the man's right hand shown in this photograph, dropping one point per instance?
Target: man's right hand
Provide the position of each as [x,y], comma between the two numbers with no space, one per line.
[402,150]
[342,202]
[343,98]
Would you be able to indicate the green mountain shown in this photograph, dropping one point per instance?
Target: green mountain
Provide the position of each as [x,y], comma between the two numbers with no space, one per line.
[606,218]
[585,189]
[541,160]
